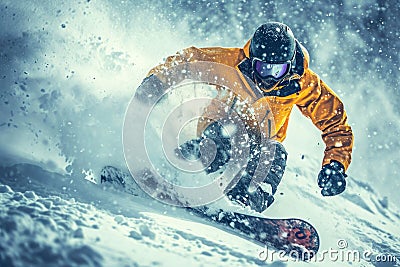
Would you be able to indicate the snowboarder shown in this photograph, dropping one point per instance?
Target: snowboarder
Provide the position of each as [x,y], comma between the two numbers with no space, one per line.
[278,65]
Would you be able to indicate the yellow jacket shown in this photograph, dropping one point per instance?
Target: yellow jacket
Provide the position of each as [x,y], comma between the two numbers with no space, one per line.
[307,91]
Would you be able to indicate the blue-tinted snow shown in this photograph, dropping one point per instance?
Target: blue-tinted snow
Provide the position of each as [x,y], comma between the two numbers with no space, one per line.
[68,71]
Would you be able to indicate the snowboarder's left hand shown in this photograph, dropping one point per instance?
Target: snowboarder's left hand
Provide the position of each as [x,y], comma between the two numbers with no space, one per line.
[332,179]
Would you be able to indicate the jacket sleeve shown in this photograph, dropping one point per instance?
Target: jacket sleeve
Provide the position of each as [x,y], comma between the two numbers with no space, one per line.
[226,56]
[172,71]
[319,103]
[161,70]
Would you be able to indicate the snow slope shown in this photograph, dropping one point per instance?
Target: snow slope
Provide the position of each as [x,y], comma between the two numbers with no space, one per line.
[103,228]
[67,72]
[48,219]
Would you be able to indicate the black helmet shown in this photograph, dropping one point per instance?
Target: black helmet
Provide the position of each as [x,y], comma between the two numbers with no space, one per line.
[272,43]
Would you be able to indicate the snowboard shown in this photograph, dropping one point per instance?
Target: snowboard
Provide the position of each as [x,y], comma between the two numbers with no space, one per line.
[293,237]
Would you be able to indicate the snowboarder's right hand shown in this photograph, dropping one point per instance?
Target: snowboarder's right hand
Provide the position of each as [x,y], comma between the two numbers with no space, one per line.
[201,148]
[332,179]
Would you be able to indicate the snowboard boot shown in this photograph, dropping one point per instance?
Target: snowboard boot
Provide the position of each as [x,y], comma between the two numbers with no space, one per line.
[114,176]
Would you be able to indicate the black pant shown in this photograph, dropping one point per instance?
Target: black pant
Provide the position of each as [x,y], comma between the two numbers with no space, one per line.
[257,184]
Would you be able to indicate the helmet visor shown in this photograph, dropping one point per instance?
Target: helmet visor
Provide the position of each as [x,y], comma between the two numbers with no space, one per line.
[264,69]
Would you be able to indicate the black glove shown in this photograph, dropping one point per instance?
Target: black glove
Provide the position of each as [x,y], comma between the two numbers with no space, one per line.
[150,89]
[332,179]
[199,147]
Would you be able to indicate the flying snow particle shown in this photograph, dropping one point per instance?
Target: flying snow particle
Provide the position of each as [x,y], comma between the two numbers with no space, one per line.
[338,144]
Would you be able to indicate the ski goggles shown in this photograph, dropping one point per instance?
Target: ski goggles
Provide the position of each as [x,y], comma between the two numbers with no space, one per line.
[264,69]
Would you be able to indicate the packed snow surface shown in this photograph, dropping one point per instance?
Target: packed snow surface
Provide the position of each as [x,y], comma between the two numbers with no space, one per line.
[68,70]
